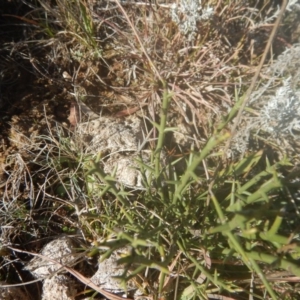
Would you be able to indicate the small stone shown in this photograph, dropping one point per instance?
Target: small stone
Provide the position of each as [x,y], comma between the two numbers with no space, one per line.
[60,250]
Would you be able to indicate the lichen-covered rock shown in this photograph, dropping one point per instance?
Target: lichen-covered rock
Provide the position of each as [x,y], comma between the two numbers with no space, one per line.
[119,141]
[107,134]
[60,250]
[58,287]
[108,270]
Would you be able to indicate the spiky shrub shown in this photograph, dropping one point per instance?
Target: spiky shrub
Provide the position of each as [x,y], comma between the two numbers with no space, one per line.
[182,223]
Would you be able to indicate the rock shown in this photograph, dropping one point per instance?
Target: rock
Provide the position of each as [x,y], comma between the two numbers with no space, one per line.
[119,141]
[107,134]
[107,270]
[58,286]
[60,250]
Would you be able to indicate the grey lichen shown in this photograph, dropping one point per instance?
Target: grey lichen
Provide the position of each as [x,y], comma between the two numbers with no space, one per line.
[277,104]
[187,13]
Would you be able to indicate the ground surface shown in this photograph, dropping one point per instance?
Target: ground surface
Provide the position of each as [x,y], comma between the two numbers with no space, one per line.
[45,76]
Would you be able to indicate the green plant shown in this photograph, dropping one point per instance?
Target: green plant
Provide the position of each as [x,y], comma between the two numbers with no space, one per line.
[180,222]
